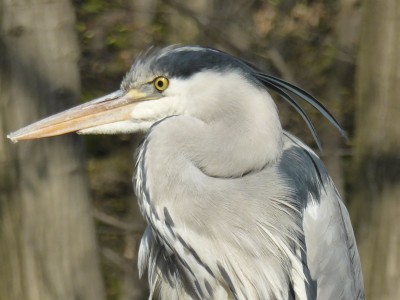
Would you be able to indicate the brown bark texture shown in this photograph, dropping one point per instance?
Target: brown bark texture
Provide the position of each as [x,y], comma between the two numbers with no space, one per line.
[47,239]
[335,94]
[376,200]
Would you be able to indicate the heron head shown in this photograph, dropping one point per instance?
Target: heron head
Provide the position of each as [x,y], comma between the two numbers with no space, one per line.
[163,82]
[178,80]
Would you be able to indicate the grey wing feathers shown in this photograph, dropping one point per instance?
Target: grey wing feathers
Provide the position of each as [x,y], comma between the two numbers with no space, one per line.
[305,249]
[331,253]
[332,256]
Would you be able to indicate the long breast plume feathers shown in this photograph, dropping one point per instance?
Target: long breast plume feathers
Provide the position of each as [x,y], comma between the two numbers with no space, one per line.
[282,87]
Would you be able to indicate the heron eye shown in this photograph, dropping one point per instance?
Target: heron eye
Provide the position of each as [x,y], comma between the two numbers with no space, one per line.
[161,83]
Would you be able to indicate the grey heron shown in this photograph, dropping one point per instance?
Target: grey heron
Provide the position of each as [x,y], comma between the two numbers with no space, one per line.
[236,207]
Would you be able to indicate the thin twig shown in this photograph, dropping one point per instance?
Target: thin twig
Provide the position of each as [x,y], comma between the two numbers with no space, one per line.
[115,259]
[114,222]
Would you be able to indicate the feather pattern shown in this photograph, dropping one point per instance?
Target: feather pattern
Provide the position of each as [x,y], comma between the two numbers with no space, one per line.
[244,262]
[237,208]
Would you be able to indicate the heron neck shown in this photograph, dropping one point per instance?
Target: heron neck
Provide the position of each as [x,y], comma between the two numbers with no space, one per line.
[243,140]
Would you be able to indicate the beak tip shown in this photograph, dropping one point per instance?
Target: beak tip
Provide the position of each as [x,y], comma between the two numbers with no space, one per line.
[12,137]
[14,140]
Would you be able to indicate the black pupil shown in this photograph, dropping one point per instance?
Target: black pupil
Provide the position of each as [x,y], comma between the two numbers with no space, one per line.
[160,83]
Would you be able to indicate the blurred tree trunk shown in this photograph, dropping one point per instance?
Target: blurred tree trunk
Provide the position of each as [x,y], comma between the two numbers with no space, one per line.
[376,207]
[47,240]
[340,81]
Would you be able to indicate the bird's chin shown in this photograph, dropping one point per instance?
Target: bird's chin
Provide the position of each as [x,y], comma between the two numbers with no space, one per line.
[119,128]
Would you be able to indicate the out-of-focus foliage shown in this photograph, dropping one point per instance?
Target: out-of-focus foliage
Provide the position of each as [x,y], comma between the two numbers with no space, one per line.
[296,40]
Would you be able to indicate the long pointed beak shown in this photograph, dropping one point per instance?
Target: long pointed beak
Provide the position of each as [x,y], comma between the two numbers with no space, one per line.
[114,107]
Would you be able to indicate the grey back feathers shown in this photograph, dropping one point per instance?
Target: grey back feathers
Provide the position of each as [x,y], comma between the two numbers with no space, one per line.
[241,224]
